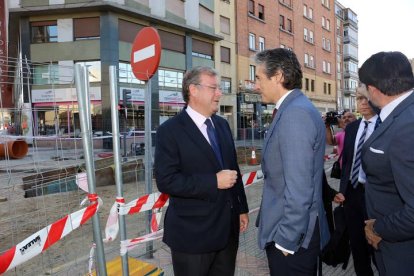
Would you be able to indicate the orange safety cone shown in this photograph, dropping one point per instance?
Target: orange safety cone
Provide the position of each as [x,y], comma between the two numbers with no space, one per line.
[253,160]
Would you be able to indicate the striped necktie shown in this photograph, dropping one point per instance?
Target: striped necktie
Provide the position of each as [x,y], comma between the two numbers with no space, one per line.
[357,161]
[212,136]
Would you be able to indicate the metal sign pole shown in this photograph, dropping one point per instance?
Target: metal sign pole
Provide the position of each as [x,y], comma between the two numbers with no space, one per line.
[113,84]
[148,158]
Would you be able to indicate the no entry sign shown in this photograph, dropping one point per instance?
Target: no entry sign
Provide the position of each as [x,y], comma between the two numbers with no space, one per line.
[146,53]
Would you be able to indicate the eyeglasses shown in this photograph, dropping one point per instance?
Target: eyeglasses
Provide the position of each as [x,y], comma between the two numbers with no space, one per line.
[214,88]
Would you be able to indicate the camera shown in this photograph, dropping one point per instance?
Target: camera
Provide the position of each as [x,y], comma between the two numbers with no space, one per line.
[332,118]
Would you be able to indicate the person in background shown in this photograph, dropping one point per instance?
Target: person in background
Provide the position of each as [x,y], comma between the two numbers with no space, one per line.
[196,165]
[387,160]
[353,180]
[292,221]
[338,139]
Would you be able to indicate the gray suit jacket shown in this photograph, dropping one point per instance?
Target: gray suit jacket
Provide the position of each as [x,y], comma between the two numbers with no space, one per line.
[292,164]
[388,161]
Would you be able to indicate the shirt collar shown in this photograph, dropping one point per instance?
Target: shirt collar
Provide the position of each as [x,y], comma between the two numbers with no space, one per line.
[195,116]
[386,110]
[280,101]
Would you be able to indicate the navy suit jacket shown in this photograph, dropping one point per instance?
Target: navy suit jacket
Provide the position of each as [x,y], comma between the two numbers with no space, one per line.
[348,154]
[199,215]
[388,161]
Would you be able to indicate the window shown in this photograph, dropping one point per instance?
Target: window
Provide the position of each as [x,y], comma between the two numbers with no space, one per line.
[261,43]
[44,31]
[305,10]
[313,85]
[45,73]
[306,60]
[329,88]
[328,24]
[311,62]
[306,84]
[324,88]
[252,41]
[289,25]
[170,78]
[310,13]
[324,66]
[226,85]
[251,7]
[225,54]
[305,34]
[86,28]
[252,72]
[261,12]
[94,68]
[311,36]
[282,22]
[323,21]
[224,25]
[128,30]
[202,49]
[172,42]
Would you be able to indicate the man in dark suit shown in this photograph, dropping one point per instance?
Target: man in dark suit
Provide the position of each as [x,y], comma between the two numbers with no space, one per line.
[196,164]
[292,224]
[352,185]
[389,164]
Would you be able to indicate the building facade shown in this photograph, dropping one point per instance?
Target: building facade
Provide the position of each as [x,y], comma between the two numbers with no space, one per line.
[305,27]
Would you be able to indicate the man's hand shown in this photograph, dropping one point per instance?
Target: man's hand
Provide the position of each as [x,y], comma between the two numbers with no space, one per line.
[244,222]
[226,179]
[372,237]
[339,198]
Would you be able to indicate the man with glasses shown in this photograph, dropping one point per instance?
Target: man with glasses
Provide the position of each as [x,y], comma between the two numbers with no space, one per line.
[353,179]
[196,165]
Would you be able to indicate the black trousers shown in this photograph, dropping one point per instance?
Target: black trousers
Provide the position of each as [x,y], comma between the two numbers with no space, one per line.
[355,215]
[302,263]
[217,263]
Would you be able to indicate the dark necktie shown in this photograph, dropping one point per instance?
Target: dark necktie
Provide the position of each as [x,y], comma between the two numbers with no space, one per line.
[377,122]
[212,136]
[274,113]
[357,163]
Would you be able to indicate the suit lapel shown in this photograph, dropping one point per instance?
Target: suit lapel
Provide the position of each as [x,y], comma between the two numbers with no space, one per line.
[194,134]
[295,93]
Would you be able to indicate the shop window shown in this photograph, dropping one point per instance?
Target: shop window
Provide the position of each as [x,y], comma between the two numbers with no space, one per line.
[86,28]
[44,31]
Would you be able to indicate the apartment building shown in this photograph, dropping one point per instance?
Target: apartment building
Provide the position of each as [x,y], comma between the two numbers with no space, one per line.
[57,34]
[305,27]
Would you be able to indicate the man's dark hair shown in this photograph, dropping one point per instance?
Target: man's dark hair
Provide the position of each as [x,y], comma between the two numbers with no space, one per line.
[193,77]
[390,72]
[283,61]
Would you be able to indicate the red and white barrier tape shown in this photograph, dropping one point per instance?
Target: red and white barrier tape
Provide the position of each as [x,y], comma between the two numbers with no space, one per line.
[46,237]
[127,245]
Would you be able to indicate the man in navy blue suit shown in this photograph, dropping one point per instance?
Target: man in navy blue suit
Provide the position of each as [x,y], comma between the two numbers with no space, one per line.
[387,159]
[196,165]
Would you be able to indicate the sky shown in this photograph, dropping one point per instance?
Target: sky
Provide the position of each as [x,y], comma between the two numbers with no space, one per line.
[383,25]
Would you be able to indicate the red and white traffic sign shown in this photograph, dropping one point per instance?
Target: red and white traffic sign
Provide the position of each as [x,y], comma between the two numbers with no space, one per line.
[146,53]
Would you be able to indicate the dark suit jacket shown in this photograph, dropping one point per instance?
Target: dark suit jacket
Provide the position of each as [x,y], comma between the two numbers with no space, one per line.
[348,154]
[388,161]
[199,215]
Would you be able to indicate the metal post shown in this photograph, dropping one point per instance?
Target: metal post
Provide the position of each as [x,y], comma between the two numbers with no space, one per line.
[148,159]
[113,88]
[82,89]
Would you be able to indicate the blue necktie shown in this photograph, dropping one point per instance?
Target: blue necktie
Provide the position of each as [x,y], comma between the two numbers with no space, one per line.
[377,122]
[357,163]
[212,136]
